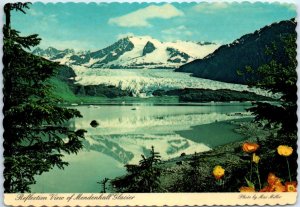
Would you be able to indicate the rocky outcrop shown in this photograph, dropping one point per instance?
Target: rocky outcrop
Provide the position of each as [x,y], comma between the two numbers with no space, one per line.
[149,47]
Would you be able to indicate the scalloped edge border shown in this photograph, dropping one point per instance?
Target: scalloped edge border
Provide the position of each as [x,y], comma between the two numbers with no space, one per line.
[160,199]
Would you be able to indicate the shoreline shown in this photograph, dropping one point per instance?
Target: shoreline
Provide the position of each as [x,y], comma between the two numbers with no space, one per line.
[175,171]
[145,102]
[241,127]
[215,134]
[228,155]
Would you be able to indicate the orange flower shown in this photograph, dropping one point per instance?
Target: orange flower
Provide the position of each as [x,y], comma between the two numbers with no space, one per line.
[266,189]
[278,187]
[272,179]
[284,150]
[218,172]
[246,189]
[291,186]
[250,147]
[275,185]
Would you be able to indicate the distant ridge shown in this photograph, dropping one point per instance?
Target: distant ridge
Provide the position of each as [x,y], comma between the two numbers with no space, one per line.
[249,50]
[133,52]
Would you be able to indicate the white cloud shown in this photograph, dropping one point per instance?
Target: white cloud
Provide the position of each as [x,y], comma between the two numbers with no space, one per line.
[210,7]
[175,33]
[139,18]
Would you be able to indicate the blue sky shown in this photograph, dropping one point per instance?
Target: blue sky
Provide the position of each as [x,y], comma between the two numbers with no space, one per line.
[94,26]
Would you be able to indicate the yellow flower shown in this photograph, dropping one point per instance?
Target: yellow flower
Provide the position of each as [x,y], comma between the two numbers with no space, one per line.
[218,172]
[284,150]
[246,189]
[250,147]
[255,158]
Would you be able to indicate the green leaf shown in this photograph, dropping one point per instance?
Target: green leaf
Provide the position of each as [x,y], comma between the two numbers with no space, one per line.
[249,183]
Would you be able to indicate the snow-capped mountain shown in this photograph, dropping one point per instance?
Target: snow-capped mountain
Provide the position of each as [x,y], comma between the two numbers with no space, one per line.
[133,52]
[52,53]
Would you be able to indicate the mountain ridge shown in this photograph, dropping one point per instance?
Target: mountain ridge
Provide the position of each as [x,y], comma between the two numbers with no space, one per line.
[133,52]
[248,50]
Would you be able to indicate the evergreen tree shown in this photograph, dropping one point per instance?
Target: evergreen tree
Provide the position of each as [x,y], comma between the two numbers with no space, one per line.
[150,173]
[103,184]
[192,175]
[35,127]
[141,178]
[279,76]
[190,179]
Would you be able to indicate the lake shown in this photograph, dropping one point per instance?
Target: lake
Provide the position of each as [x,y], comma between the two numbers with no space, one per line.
[127,131]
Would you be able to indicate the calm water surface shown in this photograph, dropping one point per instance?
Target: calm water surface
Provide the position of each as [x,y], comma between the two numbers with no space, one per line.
[127,131]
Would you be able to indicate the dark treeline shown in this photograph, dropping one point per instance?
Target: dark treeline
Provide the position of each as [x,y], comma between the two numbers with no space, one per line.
[35,133]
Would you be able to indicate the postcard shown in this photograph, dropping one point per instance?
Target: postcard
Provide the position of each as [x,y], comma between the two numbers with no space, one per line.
[149,103]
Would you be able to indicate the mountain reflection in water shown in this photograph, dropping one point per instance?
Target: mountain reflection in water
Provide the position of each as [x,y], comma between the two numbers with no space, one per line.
[125,132]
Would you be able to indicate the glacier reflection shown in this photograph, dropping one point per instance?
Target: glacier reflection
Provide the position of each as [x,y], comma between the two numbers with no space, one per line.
[124,134]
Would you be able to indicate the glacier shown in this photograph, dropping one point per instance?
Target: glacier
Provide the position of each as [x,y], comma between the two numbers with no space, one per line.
[143,82]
